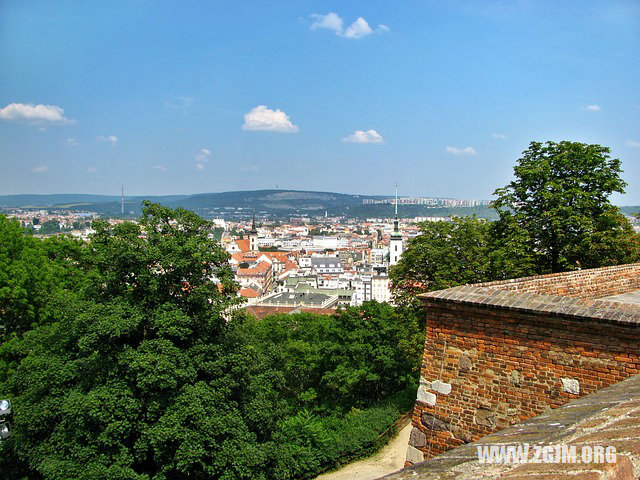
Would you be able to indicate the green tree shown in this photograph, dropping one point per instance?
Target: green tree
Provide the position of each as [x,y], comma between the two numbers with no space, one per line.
[445,254]
[139,375]
[558,209]
[268,249]
[330,385]
[330,364]
[28,276]
[49,227]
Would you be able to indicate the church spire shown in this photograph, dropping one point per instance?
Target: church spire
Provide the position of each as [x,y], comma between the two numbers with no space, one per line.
[396,221]
[396,200]
[395,243]
[253,235]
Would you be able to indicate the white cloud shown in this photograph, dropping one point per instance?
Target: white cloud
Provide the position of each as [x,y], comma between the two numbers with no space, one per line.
[500,136]
[112,139]
[461,151]
[92,169]
[632,143]
[159,167]
[331,21]
[71,142]
[180,104]
[203,155]
[360,136]
[40,169]
[34,113]
[358,29]
[593,108]
[262,118]
[252,168]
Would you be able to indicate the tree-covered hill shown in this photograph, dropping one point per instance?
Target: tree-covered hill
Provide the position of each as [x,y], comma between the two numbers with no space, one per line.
[279,203]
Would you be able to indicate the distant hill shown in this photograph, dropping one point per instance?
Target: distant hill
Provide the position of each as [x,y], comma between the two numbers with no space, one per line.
[238,204]
[270,202]
[630,209]
[45,201]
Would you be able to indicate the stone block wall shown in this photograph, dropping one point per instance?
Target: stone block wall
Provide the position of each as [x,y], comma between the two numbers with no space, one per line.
[607,418]
[496,357]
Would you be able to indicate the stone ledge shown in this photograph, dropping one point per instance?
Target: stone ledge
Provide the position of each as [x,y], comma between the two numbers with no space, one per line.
[556,305]
[610,416]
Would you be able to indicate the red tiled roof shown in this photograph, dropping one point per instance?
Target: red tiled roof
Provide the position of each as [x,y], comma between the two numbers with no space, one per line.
[243,244]
[245,257]
[249,293]
[260,311]
[260,269]
[290,266]
[282,257]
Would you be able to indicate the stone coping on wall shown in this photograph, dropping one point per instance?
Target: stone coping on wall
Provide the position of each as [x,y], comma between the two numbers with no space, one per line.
[584,283]
[559,305]
[609,417]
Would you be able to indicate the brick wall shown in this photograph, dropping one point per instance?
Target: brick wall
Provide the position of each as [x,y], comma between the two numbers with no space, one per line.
[590,283]
[493,358]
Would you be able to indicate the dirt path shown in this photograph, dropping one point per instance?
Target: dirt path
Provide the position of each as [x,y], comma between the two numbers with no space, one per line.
[389,459]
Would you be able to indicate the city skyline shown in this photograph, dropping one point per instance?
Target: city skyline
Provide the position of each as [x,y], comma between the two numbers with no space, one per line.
[353,98]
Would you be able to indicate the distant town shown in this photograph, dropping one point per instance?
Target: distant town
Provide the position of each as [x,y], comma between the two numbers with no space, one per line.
[308,263]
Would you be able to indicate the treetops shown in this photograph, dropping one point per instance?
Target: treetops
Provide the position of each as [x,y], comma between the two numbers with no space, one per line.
[555,215]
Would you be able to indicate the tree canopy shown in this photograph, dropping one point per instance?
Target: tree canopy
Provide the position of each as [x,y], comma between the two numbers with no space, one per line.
[126,358]
[445,254]
[135,376]
[559,206]
[31,272]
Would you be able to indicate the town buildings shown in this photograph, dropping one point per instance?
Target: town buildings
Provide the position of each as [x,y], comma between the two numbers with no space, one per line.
[332,263]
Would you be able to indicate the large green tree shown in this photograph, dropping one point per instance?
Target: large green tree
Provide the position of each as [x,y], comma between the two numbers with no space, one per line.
[557,215]
[137,375]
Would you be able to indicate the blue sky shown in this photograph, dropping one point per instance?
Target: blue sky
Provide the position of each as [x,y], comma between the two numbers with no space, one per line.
[439,97]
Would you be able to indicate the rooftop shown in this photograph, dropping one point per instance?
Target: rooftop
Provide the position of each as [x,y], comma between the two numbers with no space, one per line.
[310,299]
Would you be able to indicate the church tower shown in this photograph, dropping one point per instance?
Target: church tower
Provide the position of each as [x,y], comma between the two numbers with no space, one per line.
[395,244]
[253,236]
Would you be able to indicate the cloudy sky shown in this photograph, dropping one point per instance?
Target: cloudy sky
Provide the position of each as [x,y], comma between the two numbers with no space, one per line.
[439,97]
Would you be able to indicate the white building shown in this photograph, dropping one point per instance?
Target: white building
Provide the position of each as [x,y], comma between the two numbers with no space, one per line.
[380,288]
[326,264]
